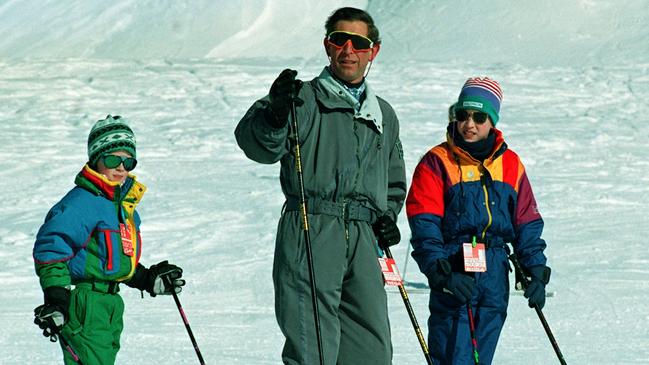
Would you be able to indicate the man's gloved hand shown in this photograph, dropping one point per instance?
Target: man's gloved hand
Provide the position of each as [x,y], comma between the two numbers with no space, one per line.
[51,316]
[535,291]
[163,278]
[281,95]
[386,231]
[457,284]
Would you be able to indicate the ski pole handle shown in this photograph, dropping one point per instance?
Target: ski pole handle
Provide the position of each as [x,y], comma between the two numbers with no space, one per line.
[411,314]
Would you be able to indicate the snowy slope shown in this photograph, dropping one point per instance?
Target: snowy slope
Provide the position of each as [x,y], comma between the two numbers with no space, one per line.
[548,33]
[577,122]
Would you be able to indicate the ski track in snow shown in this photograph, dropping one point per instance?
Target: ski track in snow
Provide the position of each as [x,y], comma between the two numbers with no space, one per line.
[579,131]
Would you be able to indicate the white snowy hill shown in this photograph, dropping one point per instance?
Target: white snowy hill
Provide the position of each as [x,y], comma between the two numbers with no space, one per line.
[575,77]
[548,33]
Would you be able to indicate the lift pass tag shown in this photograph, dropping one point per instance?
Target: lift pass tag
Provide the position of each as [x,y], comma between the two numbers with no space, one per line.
[474,257]
[390,272]
[127,239]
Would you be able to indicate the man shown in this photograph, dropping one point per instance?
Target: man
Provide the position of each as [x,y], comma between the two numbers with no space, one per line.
[355,185]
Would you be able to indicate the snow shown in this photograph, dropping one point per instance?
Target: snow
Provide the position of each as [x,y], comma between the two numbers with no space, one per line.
[575,76]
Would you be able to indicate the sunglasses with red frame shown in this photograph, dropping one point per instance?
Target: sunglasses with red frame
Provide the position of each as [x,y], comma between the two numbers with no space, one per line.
[360,43]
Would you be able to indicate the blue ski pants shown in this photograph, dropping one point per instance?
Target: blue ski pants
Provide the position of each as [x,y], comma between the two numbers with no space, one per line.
[449,336]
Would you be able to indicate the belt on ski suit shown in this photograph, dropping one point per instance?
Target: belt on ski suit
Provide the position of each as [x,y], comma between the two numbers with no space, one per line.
[107,287]
[351,210]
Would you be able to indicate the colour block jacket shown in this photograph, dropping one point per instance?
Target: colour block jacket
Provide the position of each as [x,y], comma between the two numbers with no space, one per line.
[347,153]
[454,197]
[92,234]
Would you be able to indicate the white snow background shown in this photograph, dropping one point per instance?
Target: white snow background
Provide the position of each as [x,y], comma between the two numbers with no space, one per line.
[576,87]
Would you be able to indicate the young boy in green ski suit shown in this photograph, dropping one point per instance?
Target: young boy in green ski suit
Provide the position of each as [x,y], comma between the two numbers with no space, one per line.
[89,244]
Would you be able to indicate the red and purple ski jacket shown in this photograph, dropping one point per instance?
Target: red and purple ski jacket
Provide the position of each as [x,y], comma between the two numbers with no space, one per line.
[454,197]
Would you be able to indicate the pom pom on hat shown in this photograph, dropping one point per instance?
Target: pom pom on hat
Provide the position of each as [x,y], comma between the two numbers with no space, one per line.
[483,94]
[109,135]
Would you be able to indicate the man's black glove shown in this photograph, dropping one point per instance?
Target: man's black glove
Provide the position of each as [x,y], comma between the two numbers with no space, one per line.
[386,231]
[535,291]
[51,316]
[282,93]
[457,284]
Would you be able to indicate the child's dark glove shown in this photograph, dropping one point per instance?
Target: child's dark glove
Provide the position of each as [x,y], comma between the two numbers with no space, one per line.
[535,291]
[51,316]
[386,231]
[457,284]
[164,278]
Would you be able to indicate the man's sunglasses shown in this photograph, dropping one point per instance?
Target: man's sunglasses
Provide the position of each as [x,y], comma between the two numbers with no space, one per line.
[360,43]
[462,115]
[112,161]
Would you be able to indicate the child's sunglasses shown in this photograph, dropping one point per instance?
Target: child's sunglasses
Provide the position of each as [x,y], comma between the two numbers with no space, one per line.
[112,161]
[360,43]
[462,115]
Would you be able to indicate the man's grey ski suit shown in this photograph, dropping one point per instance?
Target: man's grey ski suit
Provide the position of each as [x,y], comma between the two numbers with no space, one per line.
[353,173]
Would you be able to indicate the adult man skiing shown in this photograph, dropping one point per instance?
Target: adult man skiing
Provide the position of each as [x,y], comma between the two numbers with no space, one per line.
[354,185]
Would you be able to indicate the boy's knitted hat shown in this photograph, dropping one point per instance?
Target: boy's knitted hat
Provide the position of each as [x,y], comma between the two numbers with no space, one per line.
[110,135]
[483,94]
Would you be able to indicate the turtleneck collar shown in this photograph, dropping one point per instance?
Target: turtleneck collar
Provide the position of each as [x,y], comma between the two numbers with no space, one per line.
[479,150]
[357,90]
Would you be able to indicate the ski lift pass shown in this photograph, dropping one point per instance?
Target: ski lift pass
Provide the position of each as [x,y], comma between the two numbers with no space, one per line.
[475,259]
[390,272]
[127,239]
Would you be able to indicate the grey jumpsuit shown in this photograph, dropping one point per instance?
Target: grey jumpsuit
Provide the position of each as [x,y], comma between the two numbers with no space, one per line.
[353,173]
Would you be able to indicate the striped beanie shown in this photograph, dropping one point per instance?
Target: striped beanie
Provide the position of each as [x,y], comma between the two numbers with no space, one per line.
[483,94]
[110,135]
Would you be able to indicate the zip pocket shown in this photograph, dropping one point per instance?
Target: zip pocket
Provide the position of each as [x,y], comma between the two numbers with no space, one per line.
[109,250]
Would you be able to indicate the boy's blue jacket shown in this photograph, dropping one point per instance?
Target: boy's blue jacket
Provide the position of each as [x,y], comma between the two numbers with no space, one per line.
[92,234]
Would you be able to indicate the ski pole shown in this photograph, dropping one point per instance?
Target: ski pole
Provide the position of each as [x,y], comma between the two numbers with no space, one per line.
[539,313]
[411,314]
[182,314]
[474,342]
[69,349]
[305,225]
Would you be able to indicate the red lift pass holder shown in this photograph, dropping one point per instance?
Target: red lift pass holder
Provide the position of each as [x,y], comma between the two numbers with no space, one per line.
[127,239]
[475,258]
[390,272]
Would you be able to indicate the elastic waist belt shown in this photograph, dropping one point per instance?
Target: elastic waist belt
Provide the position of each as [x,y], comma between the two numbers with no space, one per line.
[108,287]
[351,210]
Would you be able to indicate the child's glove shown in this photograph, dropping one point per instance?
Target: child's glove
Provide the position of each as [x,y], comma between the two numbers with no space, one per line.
[457,284]
[51,316]
[535,291]
[163,278]
[159,279]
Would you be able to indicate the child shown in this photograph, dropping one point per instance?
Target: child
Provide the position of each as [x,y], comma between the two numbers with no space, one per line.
[470,196]
[89,244]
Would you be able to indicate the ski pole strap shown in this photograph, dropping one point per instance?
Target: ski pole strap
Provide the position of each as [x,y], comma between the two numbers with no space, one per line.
[351,210]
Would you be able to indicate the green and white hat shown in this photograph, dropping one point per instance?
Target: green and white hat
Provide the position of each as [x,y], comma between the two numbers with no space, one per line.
[110,135]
